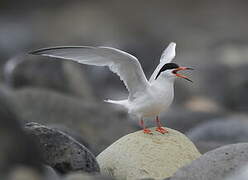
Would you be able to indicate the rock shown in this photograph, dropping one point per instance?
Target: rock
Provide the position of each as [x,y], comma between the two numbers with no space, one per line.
[97,123]
[219,132]
[73,133]
[242,174]
[60,151]
[40,72]
[216,164]
[138,155]
[84,176]
[15,146]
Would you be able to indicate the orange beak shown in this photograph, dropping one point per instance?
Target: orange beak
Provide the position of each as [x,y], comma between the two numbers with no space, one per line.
[180,75]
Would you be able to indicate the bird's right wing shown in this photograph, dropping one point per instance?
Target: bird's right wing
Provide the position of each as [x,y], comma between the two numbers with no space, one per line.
[167,56]
[125,65]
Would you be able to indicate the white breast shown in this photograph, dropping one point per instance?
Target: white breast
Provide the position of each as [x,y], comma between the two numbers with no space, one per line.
[156,99]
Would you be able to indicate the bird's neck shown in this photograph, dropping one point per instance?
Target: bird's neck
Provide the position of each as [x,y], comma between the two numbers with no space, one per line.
[164,82]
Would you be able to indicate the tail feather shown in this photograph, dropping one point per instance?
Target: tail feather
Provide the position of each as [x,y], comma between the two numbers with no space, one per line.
[121,102]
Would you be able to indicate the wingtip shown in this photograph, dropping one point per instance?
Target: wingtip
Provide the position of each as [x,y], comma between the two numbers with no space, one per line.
[32,53]
[35,52]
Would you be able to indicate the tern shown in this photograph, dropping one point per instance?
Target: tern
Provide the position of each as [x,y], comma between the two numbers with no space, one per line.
[146,98]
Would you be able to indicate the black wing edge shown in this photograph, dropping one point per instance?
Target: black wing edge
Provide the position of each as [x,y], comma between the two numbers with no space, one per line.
[42,50]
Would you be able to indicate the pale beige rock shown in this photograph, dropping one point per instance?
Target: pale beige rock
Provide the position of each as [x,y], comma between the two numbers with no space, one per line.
[138,155]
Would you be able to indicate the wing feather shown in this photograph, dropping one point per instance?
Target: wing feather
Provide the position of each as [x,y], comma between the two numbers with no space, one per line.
[125,65]
[167,56]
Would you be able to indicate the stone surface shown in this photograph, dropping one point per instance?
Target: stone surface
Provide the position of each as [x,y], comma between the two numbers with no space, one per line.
[98,124]
[217,164]
[138,155]
[60,151]
[217,132]
[242,174]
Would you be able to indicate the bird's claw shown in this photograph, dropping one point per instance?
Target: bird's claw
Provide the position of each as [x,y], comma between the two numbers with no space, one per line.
[147,131]
[162,130]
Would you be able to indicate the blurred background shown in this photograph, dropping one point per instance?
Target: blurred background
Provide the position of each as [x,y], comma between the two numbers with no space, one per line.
[211,37]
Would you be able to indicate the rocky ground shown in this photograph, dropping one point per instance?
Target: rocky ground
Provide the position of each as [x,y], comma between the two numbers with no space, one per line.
[54,124]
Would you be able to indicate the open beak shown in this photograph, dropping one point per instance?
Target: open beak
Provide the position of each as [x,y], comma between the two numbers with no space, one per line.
[180,75]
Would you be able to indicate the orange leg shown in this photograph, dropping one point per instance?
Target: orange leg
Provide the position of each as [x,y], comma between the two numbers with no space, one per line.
[159,126]
[145,130]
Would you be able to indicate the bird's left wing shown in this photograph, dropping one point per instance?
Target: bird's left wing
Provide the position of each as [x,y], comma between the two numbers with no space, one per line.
[167,56]
[125,65]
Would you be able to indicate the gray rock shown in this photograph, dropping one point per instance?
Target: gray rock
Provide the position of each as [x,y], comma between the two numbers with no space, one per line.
[60,151]
[242,174]
[34,71]
[73,133]
[15,144]
[138,155]
[218,132]
[215,165]
[97,123]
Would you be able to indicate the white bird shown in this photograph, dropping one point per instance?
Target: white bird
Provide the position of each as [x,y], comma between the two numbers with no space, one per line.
[146,98]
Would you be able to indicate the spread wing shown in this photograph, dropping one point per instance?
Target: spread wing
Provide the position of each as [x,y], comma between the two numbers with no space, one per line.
[167,56]
[125,65]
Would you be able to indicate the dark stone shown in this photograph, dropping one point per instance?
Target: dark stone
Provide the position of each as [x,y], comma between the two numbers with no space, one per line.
[216,164]
[73,133]
[15,148]
[60,151]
